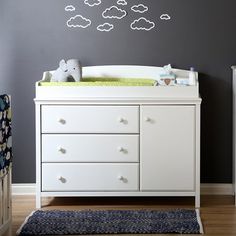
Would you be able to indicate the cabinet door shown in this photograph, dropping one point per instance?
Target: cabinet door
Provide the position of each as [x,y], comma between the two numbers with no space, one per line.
[167,148]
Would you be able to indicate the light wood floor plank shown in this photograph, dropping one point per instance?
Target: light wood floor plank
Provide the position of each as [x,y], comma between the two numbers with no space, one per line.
[218,213]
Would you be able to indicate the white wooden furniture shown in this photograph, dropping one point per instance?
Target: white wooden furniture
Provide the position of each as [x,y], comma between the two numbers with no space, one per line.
[118,141]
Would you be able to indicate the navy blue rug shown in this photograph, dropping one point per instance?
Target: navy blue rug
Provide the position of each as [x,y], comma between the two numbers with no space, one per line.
[85,222]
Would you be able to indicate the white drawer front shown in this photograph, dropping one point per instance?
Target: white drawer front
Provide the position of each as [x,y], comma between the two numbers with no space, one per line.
[90,177]
[90,119]
[90,148]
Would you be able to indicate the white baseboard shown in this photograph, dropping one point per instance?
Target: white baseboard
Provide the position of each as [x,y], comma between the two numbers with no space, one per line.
[206,189]
[23,189]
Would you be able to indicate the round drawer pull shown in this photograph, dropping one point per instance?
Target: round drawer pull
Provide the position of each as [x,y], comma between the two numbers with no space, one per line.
[61,121]
[60,178]
[61,150]
[121,120]
[121,149]
[121,178]
[147,119]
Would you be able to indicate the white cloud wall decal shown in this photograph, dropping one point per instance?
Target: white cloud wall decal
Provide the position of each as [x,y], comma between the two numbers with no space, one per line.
[106,27]
[114,13]
[165,17]
[139,8]
[70,8]
[79,21]
[122,2]
[142,24]
[92,3]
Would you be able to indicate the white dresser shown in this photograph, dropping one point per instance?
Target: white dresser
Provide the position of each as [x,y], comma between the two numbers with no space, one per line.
[118,141]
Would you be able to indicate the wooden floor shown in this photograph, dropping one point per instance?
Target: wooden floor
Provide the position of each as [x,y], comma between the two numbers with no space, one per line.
[218,213]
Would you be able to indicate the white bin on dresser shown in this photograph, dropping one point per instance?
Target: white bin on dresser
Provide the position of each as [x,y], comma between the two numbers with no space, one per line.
[118,141]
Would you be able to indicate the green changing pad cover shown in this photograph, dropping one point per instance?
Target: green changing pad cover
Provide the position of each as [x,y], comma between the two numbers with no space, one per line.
[103,81]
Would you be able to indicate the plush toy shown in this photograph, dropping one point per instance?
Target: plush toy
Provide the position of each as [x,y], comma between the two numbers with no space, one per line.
[67,70]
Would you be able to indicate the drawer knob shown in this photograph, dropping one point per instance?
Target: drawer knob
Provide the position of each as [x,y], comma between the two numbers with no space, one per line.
[120,177]
[61,178]
[147,119]
[61,150]
[61,121]
[121,149]
[121,120]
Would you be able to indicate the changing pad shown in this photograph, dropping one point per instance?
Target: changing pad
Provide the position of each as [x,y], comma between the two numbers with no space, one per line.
[103,81]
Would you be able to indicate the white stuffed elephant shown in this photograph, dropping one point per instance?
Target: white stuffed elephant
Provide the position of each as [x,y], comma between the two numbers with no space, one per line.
[71,68]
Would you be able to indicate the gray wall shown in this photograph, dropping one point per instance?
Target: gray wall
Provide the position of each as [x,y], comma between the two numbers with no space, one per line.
[34,37]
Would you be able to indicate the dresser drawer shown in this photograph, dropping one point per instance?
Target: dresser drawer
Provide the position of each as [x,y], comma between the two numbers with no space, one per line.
[89,177]
[90,148]
[90,119]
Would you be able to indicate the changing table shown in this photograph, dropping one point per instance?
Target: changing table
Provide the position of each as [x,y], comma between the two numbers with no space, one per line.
[118,140]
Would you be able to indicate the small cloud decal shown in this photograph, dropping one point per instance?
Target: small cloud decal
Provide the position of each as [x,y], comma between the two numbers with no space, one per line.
[92,3]
[114,13]
[139,8]
[70,8]
[78,21]
[165,17]
[142,24]
[122,2]
[106,27]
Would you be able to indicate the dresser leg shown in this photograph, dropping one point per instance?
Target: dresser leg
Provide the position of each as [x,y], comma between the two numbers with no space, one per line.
[38,201]
[197,201]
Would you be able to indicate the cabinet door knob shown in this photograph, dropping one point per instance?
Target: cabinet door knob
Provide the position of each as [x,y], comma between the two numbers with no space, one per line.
[61,150]
[61,121]
[147,119]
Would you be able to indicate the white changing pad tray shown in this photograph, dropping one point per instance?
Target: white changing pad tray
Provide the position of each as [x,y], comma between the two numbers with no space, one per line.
[129,72]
